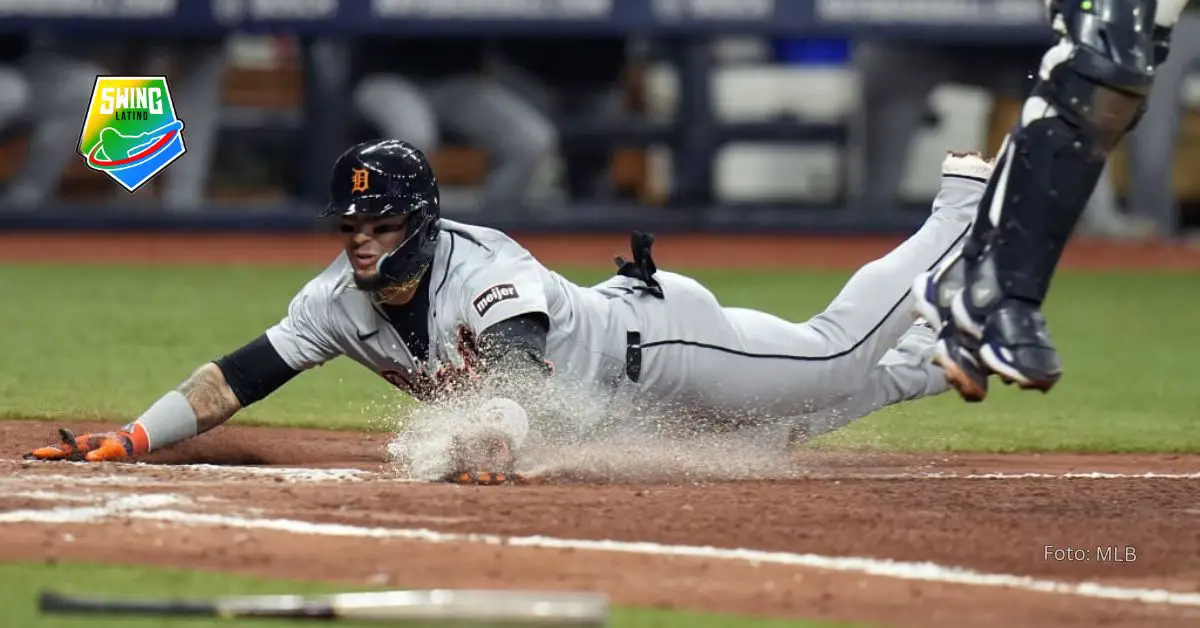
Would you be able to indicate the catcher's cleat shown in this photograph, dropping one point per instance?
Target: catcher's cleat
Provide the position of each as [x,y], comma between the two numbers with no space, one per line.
[1008,339]
[1013,342]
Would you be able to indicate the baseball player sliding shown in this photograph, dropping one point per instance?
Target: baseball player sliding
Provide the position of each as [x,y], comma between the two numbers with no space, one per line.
[445,310]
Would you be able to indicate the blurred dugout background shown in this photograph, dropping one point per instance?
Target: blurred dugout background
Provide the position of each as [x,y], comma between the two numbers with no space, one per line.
[818,131]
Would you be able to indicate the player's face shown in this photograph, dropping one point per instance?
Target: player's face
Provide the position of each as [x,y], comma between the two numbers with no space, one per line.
[367,239]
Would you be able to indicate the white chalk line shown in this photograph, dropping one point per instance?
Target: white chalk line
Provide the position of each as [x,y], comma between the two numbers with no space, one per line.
[296,474]
[218,473]
[950,475]
[289,473]
[52,496]
[152,507]
[89,514]
[204,476]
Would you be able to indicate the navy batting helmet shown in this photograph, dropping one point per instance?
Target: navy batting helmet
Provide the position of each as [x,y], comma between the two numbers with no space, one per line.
[385,178]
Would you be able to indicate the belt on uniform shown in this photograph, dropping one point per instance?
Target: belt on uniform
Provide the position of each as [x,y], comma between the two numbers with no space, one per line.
[633,356]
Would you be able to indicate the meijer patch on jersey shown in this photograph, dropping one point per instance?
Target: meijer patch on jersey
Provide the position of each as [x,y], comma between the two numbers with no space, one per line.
[492,296]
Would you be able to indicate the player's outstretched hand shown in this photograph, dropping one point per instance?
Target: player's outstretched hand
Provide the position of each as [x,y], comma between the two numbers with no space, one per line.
[485,449]
[98,447]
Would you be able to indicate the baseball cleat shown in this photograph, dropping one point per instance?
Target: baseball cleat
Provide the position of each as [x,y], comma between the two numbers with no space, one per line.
[964,371]
[934,295]
[1013,342]
[934,291]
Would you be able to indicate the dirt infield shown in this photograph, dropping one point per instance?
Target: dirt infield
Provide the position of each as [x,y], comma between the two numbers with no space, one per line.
[768,547]
[921,540]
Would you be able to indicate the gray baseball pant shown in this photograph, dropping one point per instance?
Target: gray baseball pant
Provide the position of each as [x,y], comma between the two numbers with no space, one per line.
[905,373]
[738,364]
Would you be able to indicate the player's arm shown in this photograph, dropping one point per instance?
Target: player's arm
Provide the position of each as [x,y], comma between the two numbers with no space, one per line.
[905,373]
[208,398]
[507,310]
[515,348]
[213,393]
[511,365]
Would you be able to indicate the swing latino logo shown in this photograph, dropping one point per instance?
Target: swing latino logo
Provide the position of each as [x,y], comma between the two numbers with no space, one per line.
[131,132]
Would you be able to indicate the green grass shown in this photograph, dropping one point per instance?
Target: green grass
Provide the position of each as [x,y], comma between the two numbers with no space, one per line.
[107,341]
[20,584]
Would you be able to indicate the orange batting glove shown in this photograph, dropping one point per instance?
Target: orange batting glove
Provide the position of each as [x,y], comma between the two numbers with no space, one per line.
[99,447]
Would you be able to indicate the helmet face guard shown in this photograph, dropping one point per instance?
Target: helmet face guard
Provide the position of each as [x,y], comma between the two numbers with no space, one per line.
[411,258]
[384,179]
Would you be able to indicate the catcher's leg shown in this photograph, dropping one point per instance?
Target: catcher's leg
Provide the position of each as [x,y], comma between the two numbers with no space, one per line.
[1091,91]
[751,363]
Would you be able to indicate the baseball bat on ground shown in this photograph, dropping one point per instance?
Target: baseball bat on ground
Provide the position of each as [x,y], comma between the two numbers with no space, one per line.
[436,607]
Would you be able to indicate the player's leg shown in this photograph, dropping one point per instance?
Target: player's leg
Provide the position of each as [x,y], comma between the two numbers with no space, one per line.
[518,138]
[728,359]
[197,100]
[1152,145]
[869,312]
[1091,91]
[905,373]
[15,96]
[61,86]
[398,108]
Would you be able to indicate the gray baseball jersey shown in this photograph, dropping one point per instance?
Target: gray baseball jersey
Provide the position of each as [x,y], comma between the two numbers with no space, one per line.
[479,277]
[683,351]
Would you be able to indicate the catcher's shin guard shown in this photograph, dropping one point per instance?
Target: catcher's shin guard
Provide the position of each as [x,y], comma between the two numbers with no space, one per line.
[1011,340]
[1092,90]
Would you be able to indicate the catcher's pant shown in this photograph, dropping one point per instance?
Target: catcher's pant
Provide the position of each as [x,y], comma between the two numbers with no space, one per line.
[688,352]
